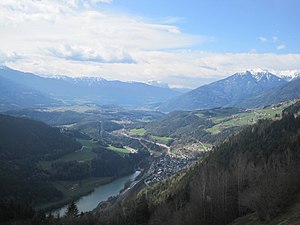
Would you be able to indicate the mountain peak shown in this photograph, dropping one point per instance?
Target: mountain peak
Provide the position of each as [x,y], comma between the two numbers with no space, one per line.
[258,71]
[257,74]
[227,92]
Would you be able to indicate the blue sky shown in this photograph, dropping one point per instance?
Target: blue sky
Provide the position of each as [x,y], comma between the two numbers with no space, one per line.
[182,43]
[233,25]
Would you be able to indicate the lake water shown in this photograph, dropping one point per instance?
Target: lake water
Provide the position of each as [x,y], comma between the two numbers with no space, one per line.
[101,193]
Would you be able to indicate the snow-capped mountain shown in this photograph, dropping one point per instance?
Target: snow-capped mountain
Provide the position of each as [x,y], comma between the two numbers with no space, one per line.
[288,75]
[89,81]
[227,92]
[258,74]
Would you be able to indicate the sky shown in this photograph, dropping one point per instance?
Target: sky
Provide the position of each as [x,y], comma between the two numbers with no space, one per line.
[183,43]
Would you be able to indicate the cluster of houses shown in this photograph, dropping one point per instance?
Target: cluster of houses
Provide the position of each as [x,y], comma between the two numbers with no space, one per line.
[166,166]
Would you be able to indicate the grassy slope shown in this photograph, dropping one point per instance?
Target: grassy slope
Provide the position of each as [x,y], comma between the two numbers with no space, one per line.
[139,132]
[85,154]
[119,150]
[82,155]
[163,140]
[246,118]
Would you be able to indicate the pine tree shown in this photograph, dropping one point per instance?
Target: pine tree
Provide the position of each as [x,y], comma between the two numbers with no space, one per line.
[72,210]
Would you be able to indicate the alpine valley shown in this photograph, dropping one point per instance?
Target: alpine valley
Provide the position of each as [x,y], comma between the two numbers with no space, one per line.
[224,153]
[160,112]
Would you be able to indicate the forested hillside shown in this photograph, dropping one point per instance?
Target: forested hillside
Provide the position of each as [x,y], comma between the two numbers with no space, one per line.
[191,126]
[209,126]
[24,138]
[39,164]
[255,171]
[23,143]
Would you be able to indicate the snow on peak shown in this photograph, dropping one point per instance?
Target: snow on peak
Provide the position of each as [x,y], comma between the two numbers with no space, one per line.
[157,84]
[89,81]
[288,74]
[77,80]
[258,71]
[258,74]
[58,77]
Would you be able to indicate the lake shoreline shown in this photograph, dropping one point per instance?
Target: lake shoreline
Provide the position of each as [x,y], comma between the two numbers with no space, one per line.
[58,208]
[53,206]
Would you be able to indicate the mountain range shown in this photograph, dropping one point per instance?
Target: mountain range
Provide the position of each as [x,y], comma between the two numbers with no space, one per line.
[61,90]
[249,89]
[246,89]
[14,95]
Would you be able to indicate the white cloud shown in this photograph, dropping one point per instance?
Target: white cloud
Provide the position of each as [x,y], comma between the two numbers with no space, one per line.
[263,39]
[280,47]
[69,37]
[9,57]
[172,20]
[181,68]
[49,24]
[87,54]
[274,39]
[102,1]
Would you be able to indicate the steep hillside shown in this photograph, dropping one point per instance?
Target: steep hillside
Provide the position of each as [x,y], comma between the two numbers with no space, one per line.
[290,217]
[23,143]
[255,171]
[282,93]
[21,138]
[226,92]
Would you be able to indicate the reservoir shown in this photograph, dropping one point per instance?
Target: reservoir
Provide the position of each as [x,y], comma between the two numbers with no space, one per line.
[101,193]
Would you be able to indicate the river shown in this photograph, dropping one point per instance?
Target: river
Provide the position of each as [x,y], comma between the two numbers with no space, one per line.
[101,193]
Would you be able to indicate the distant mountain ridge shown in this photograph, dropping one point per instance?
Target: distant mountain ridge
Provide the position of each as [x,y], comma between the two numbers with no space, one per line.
[247,89]
[87,89]
[288,91]
[15,95]
[226,92]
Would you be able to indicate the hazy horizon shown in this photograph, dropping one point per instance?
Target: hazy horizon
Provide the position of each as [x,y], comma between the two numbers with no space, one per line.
[183,44]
